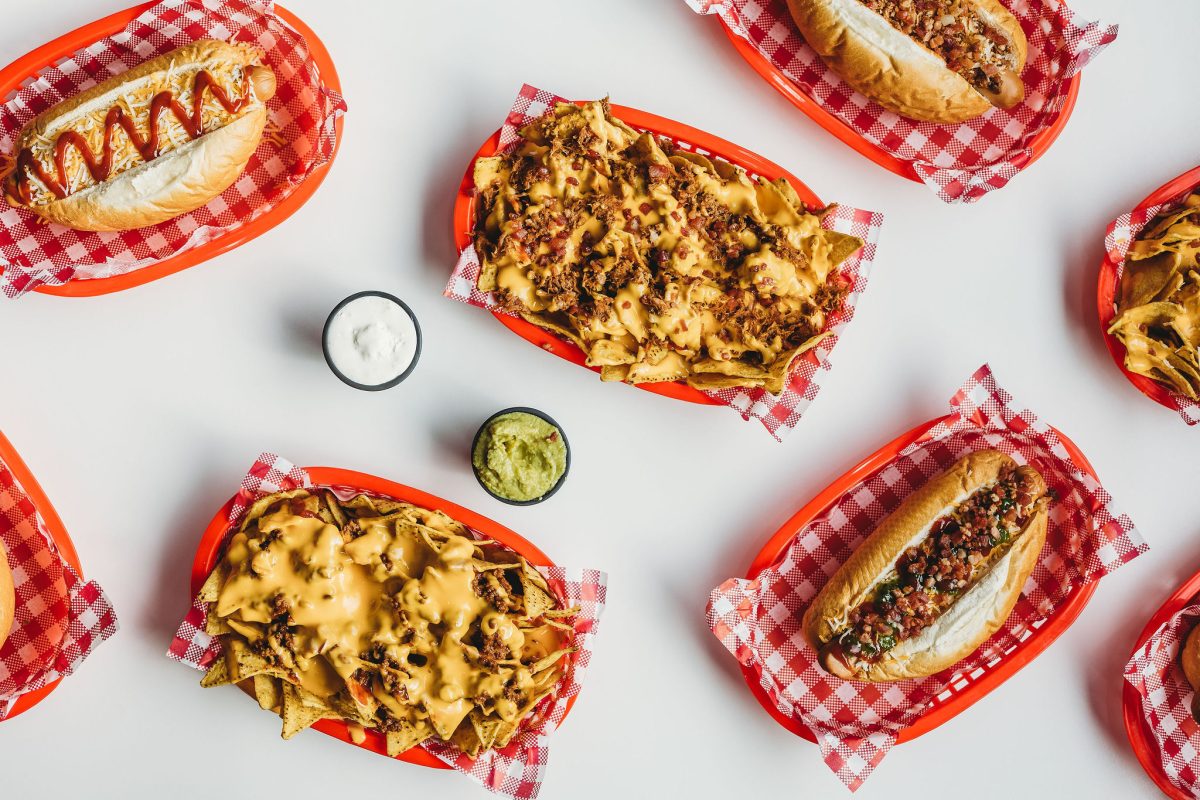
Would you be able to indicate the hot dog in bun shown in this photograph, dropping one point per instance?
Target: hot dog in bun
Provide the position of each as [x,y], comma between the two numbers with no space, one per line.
[147,145]
[937,577]
[931,60]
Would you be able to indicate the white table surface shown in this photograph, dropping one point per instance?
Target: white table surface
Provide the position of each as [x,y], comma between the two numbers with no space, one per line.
[139,412]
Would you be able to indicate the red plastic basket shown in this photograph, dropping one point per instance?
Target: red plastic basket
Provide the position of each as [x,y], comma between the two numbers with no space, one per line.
[1141,738]
[58,534]
[209,550]
[967,689]
[688,138]
[820,115]
[1106,293]
[28,65]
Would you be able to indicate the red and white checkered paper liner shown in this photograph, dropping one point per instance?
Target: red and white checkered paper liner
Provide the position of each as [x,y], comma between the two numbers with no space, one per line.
[1121,235]
[1154,672]
[857,724]
[962,162]
[777,414]
[60,619]
[517,770]
[303,111]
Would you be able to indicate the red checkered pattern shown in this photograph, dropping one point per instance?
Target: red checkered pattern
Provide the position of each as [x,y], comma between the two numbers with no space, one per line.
[962,162]
[857,723]
[777,414]
[303,112]
[1120,237]
[60,619]
[517,770]
[1154,672]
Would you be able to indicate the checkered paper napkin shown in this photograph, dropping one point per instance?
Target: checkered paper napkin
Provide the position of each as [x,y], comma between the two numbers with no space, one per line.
[300,138]
[856,724]
[777,414]
[1154,672]
[1122,233]
[517,770]
[962,162]
[60,618]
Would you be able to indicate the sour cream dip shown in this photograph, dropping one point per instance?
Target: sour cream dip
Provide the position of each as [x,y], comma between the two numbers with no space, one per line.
[372,341]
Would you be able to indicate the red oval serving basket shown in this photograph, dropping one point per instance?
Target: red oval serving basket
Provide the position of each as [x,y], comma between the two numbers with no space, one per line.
[211,542]
[688,138]
[1106,292]
[28,65]
[780,82]
[58,534]
[967,689]
[1141,738]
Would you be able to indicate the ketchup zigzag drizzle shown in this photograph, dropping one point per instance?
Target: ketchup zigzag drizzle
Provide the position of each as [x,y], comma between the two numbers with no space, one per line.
[100,168]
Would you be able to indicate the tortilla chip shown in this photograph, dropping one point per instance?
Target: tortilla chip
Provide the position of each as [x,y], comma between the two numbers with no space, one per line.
[217,675]
[301,709]
[408,736]
[216,626]
[260,506]
[268,691]
[246,663]
[213,583]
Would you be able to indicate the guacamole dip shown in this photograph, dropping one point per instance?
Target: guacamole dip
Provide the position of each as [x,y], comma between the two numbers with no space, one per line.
[519,456]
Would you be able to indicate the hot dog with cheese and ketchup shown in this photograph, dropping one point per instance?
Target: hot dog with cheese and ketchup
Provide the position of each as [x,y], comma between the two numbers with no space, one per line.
[157,141]
[932,60]
[937,577]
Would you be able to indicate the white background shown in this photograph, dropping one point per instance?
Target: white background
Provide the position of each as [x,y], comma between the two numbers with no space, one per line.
[140,411]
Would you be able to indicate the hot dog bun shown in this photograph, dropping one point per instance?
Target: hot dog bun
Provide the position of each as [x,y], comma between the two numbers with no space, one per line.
[1189,659]
[187,172]
[8,598]
[902,74]
[975,615]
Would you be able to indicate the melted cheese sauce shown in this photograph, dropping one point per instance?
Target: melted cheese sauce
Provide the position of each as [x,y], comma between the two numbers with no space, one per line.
[391,589]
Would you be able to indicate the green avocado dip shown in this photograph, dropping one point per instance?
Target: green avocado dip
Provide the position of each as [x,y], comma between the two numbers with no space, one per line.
[519,456]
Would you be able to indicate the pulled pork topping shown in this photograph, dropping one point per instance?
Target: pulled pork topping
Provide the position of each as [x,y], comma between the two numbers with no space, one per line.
[953,30]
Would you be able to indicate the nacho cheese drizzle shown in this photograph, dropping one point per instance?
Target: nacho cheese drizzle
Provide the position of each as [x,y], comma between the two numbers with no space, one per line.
[385,615]
[660,263]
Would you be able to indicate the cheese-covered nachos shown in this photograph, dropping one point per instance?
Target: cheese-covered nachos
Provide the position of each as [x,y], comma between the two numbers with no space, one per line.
[661,264]
[387,616]
[1158,305]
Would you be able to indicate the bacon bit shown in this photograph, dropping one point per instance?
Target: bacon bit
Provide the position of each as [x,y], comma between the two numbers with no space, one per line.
[571,179]
[645,208]
[658,172]
[553,437]
[626,304]
[626,213]
[683,251]
[683,325]
[593,155]
[675,216]
[576,165]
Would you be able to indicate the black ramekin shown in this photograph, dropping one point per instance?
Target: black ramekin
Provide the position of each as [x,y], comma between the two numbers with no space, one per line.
[525,410]
[394,381]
